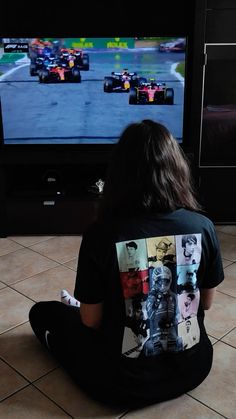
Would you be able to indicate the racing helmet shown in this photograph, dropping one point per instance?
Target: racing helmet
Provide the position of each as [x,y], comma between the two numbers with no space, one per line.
[47,51]
[162,277]
[125,72]
[64,53]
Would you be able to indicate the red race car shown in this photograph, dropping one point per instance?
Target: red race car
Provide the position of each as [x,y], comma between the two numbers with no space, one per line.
[151,93]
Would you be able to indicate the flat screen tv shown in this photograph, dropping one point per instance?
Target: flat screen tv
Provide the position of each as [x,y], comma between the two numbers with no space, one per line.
[85,91]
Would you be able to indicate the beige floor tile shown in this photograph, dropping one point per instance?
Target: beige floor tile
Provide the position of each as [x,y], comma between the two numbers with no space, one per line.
[218,227]
[61,389]
[228,246]
[14,309]
[226,263]
[29,240]
[30,404]
[230,338]
[22,264]
[213,340]
[47,285]
[228,286]
[184,407]
[22,350]
[1,284]
[10,381]
[8,246]
[228,229]
[221,318]
[61,249]
[72,263]
[218,391]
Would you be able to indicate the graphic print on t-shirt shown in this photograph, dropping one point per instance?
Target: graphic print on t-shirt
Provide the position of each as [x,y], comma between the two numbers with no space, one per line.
[159,283]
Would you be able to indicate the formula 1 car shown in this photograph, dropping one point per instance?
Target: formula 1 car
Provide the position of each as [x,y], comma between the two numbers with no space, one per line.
[151,93]
[39,63]
[38,58]
[121,81]
[75,57]
[59,72]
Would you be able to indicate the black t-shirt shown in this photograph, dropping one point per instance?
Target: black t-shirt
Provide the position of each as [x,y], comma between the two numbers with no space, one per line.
[148,271]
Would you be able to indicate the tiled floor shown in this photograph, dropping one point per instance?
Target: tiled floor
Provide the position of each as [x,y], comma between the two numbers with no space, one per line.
[33,386]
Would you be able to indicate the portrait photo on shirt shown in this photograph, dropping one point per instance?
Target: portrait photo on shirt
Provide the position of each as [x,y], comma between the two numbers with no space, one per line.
[188,303]
[137,329]
[133,267]
[188,249]
[132,254]
[161,251]
[187,278]
[189,331]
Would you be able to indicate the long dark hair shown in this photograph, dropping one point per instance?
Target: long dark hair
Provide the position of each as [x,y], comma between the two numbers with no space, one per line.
[148,172]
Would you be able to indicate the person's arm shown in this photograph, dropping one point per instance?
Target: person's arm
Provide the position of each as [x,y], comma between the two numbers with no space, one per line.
[91,314]
[207,296]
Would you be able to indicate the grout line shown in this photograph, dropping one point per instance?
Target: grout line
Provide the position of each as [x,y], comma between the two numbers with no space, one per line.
[45,374]
[26,378]
[55,260]
[32,244]
[227,234]
[230,262]
[213,337]
[228,332]
[226,343]
[53,401]
[23,376]
[13,368]
[125,413]
[44,256]
[204,404]
[20,292]
[37,273]
[221,292]
[14,327]
[45,395]
[14,392]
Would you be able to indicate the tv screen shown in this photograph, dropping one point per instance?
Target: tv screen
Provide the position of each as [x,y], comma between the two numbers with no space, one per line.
[87,90]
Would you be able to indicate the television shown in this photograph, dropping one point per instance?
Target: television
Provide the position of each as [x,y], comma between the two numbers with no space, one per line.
[59,123]
[82,92]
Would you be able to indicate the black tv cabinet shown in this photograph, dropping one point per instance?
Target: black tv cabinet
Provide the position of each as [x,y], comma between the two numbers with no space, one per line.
[49,198]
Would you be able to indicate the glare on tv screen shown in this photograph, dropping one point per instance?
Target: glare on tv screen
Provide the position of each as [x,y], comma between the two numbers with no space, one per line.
[87,90]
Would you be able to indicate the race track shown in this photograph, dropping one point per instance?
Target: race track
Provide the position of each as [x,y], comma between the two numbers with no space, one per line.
[78,113]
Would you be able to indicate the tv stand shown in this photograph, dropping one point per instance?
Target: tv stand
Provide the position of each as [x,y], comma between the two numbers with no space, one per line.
[49,199]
